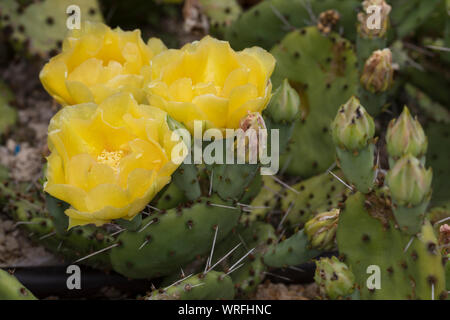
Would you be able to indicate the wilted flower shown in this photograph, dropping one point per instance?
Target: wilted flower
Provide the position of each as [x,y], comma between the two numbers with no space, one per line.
[378,73]
[97,62]
[108,161]
[321,230]
[371,25]
[206,80]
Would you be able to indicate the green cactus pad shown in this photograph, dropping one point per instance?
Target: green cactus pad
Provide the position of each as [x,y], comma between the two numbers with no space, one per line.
[72,245]
[359,168]
[323,71]
[12,289]
[173,238]
[293,251]
[42,24]
[410,267]
[221,14]
[230,181]
[258,235]
[211,286]
[170,197]
[186,179]
[314,195]
[269,21]
[264,202]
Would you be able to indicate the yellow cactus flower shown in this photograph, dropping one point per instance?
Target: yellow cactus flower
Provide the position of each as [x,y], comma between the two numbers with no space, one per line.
[97,62]
[108,160]
[207,80]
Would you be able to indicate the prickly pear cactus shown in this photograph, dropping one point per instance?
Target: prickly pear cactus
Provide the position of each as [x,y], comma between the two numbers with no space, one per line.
[312,196]
[322,70]
[335,279]
[268,22]
[12,289]
[408,267]
[40,26]
[203,286]
[221,14]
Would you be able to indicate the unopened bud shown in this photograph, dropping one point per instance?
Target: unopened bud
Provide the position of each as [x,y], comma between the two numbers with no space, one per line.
[284,105]
[378,73]
[409,182]
[334,278]
[353,127]
[321,230]
[406,136]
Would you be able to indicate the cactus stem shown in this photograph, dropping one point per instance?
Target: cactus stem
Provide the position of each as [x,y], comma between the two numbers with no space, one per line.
[340,180]
[97,252]
[285,185]
[409,244]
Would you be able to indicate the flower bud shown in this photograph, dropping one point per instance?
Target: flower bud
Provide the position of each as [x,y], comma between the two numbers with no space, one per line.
[321,230]
[285,103]
[378,73]
[353,127]
[406,136]
[409,182]
[334,278]
[374,21]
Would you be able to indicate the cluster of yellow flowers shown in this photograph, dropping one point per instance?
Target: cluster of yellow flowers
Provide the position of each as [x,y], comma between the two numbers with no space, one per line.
[110,143]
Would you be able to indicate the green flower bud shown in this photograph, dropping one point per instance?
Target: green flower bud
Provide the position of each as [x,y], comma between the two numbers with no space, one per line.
[409,182]
[378,73]
[321,230]
[334,278]
[368,24]
[406,136]
[285,104]
[353,127]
